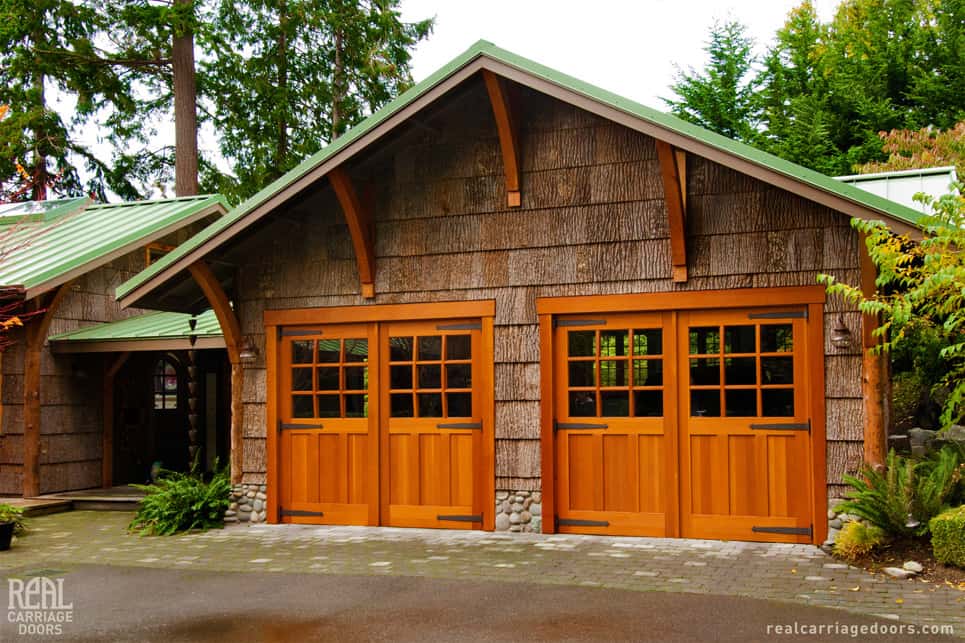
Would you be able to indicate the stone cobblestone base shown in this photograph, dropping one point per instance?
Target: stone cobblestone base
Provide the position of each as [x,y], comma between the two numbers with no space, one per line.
[247,503]
[519,511]
[836,520]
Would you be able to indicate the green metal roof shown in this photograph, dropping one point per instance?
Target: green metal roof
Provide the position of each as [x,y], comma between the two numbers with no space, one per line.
[145,327]
[45,244]
[483,49]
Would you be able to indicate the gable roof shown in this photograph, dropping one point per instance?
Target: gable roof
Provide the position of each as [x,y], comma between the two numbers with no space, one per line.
[484,55]
[152,331]
[45,244]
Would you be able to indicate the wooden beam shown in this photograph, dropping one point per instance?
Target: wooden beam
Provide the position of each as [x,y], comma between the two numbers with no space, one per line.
[672,172]
[508,139]
[872,371]
[111,367]
[35,334]
[231,330]
[360,226]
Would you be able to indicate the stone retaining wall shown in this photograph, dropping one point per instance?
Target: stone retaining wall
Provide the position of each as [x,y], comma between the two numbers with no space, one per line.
[247,503]
[519,511]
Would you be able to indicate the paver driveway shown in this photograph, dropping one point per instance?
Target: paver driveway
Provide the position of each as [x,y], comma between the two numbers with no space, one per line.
[794,573]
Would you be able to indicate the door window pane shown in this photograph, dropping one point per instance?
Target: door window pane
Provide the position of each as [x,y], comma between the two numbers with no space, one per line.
[582,343]
[741,402]
[400,377]
[328,406]
[648,403]
[329,351]
[356,378]
[777,370]
[615,403]
[328,378]
[648,342]
[430,348]
[430,405]
[705,403]
[458,376]
[777,402]
[648,372]
[614,373]
[356,350]
[400,349]
[400,405]
[614,343]
[302,352]
[740,339]
[302,406]
[459,405]
[301,379]
[777,338]
[582,374]
[705,371]
[740,370]
[458,346]
[704,340]
[430,376]
[356,406]
[582,403]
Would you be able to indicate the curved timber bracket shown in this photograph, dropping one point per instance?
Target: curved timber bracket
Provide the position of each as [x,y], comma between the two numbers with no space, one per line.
[673,167]
[508,140]
[231,330]
[360,226]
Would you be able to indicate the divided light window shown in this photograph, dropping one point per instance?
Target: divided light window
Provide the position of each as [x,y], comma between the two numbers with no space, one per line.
[330,378]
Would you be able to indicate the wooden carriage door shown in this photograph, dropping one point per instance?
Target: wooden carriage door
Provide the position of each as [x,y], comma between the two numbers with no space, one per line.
[432,420]
[745,452]
[328,437]
[615,453]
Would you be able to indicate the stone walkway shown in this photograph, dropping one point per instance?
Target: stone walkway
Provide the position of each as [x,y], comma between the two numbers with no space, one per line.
[794,573]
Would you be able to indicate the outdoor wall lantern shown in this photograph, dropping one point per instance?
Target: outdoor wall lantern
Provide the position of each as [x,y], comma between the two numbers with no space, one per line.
[248,351]
[840,335]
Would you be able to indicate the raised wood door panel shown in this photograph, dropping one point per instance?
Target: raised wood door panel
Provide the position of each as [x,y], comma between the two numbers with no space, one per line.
[328,431]
[614,409]
[432,417]
[745,448]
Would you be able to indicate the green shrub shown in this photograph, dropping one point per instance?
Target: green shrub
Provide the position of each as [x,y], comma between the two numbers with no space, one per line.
[182,501]
[885,498]
[939,484]
[948,537]
[9,513]
[858,539]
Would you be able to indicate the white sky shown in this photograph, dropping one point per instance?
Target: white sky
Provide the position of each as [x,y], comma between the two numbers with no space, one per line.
[628,47]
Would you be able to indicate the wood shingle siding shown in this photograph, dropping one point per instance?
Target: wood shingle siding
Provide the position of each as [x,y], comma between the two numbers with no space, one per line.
[592,221]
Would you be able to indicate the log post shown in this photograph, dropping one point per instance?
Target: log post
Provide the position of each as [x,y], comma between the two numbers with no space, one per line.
[873,370]
[35,334]
[231,330]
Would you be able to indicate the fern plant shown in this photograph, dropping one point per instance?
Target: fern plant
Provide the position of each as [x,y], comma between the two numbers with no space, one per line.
[181,502]
[940,482]
[886,498]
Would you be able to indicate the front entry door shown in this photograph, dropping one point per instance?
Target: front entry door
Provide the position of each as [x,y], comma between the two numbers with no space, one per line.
[431,424]
[691,424]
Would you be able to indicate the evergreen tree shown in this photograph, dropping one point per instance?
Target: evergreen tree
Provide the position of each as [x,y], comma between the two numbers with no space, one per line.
[721,98]
[286,77]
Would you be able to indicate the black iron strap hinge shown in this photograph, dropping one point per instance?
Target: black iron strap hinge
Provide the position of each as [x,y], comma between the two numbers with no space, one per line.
[577,522]
[576,426]
[788,314]
[790,531]
[297,332]
[461,518]
[782,426]
[282,426]
[474,426]
[298,512]
[578,322]
[460,326]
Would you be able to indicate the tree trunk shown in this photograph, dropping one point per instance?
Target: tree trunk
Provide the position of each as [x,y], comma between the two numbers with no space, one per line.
[39,174]
[281,145]
[185,113]
[337,86]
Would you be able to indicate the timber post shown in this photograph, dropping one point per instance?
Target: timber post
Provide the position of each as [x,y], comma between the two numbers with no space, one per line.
[35,334]
[873,370]
[231,329]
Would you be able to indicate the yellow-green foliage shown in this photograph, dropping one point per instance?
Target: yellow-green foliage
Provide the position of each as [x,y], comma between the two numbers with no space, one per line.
[858,539]
[948,536]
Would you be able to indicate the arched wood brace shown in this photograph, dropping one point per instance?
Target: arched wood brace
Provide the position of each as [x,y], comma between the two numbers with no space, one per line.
[508,140]
[35,333]
[360,226]
[231,330]
[673,168]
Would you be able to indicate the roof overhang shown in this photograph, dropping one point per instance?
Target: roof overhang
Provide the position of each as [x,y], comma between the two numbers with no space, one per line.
[134,345]
[809,184]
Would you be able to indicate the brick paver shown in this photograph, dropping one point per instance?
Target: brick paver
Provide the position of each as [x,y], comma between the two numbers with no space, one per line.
[795,573]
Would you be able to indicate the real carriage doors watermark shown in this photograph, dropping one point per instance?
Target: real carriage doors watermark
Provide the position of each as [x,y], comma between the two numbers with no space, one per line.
[37,606]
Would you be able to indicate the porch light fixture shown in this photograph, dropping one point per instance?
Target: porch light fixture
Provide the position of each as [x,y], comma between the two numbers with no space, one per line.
[248,351]
[840,335]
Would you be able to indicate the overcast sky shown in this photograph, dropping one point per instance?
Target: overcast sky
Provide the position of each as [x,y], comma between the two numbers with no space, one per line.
[626,47]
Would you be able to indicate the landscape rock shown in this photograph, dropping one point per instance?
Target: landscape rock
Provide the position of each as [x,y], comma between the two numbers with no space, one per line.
[898,572]
[913,566]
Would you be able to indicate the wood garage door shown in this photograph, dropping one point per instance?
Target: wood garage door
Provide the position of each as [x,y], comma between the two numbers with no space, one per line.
[689,424]
[382,423]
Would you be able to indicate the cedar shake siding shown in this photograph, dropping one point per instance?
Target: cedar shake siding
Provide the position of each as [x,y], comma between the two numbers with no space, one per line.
[593,221]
